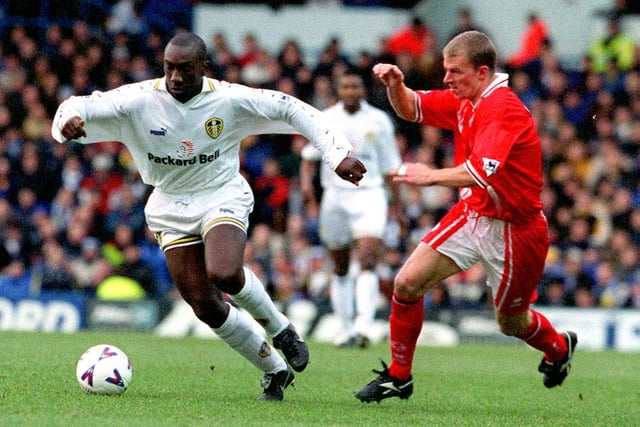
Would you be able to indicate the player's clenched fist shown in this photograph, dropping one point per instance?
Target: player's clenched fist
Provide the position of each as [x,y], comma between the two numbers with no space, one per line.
[390,74]
[73,128]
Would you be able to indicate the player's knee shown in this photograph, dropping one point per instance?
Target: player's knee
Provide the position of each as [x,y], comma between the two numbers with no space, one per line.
[228,280]
[512,326]
[508,329]
[404,287]
[213,312]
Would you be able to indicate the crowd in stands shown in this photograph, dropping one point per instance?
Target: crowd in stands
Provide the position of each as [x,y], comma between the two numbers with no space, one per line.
[71,215]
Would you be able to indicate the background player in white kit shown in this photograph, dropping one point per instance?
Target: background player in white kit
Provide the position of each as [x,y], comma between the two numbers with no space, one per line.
[349,214]
[184,133]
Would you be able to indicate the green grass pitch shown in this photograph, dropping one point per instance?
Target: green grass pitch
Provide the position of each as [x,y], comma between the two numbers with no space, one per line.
[201,382]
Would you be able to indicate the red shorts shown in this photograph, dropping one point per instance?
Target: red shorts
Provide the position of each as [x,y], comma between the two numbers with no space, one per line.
[513,255]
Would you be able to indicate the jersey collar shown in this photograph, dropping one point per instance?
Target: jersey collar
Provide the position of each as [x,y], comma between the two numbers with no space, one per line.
[207,84]
[499,80]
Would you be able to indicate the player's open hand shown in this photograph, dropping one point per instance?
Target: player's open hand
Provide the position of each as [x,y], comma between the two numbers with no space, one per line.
[73,128]
[413,174]
[351,169]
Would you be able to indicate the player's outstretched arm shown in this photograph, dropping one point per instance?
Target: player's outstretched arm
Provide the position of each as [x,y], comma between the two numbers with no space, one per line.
[402,98]
[419,174]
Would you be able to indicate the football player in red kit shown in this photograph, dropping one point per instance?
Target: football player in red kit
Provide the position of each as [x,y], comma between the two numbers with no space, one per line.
[498,220]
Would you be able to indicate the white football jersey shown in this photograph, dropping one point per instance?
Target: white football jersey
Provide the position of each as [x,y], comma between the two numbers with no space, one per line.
[179,147]
[370,132]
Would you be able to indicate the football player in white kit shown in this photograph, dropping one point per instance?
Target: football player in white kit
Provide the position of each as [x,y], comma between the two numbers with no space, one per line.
[351,215]
[184,132]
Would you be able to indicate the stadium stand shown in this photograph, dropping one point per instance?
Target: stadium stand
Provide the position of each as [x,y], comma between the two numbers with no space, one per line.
[60,202]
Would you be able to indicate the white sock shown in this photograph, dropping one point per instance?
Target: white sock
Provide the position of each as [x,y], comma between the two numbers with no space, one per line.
[237,331]
[366,295]
[342,301]
[254,298]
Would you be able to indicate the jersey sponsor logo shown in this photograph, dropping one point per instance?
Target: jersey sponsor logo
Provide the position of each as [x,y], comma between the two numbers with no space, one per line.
[185,150]
[214,127]
[158,132]
[200,159]
[489,166]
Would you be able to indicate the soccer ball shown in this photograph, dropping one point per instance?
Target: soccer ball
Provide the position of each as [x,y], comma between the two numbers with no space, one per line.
[104,369]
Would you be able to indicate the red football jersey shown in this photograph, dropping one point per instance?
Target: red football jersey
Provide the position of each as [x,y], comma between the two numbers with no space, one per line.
[498,144]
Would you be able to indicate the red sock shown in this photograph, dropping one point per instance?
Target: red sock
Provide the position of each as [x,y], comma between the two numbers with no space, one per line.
[542,336]
[405,324]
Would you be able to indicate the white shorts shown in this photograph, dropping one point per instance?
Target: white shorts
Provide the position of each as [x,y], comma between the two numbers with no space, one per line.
[184,219]
[351,214]
[513,255]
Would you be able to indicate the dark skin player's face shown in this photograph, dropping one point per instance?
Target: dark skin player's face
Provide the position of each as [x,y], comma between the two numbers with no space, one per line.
[183,70]
[351,92]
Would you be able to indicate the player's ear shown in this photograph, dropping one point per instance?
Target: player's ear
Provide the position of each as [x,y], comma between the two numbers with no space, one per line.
[483,72]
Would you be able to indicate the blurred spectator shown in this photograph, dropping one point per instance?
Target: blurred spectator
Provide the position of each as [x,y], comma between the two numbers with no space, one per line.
[392,260]
[330,57]
[532,42]
[553,293]
[609,289]
[53,39]
[5,257]
[634,295]
[54,270]
[250,50]
[12,74]
[9,182]
[466,23]
[126,16]
[271,193]
[62,61]
[583,298]
[113,249]
[615,48]
[87,268]
[17,244]
[134,267]
[75,232]
[125,208]
[97,63]
[263,245]
[36,174]
[152,255]
[103,180]
[522,85]
[435,300]
[467,289]
[317,278]
[257,73]
[221,55]
[323,94]
[416,39]
[291,59]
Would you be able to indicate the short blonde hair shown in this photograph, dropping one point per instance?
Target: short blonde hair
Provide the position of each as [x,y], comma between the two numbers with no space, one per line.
[476,46]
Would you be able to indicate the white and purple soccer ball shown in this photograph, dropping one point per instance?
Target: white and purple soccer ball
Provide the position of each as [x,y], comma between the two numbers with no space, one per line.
[104,369]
